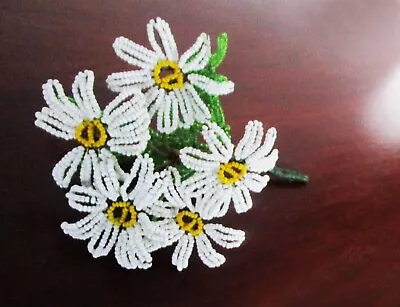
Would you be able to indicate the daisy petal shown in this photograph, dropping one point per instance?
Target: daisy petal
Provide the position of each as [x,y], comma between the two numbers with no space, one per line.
[124,252]
[136,241]
[60,104]
[200,161]
[262,164]
[127,123]
[168,49]
[84,228]
[86,170]
[210,86]
[86,199]
[151,96]
[103,240]
[270,138]
[218,142]
[176,199]
[161,209]
[157,105]
[109,178]
[251,140]
[172,176]
[182,252]
[201,112]
[134,54]
[185,109]
[150,194]
[255,182]
[207,253]
[241,199]
[130,145]
[67,167]
[130,149]
[139,180]
[197,56]
[167,117]
[129,183]
[214,203]
[116,108]
[199,184]
[53,123]
[152,246]
[137,79]
[112,162]
[166,232]
[104,182]
[82,90]
[224,236]
[256,161]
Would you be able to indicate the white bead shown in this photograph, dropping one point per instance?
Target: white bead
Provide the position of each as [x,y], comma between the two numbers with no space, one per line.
[224,236]
[211,86]
[199,53]
[184,102]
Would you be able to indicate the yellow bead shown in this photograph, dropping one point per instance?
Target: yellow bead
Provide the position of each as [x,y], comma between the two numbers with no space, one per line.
[194,224]
[91,134]
[172,81]
[232,172]
[128,216]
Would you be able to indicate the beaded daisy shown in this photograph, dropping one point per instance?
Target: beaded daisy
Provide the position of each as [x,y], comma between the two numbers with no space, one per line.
[115,207]
[226,173]
[122,127]
[172,83]
[144,189]
[182,222]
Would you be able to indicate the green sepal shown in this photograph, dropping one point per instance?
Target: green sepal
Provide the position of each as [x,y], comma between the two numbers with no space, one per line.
[219,55]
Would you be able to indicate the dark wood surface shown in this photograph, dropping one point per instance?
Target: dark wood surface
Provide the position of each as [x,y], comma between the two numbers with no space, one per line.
[325,73]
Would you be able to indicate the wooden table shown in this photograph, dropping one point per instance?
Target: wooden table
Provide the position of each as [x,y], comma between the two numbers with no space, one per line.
[325,73]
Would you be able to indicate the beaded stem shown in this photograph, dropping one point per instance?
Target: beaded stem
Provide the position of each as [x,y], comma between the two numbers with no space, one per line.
[289,175]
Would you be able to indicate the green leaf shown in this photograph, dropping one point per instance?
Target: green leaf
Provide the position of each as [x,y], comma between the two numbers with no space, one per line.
[164,148]
[214,106]
[222,47]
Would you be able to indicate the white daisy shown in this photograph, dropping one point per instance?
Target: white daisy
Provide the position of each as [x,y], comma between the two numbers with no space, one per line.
[114,208]
[225,173]
[182,222]
[168,78]
[122,127]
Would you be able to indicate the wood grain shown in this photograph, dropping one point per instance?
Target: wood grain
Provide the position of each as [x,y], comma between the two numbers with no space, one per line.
[325,73]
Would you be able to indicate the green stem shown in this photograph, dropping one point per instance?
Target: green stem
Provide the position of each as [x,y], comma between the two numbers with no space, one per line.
[155,149]
[162,166]
[289,175]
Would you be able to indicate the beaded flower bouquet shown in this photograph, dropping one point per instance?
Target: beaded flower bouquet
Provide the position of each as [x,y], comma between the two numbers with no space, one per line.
[157,165]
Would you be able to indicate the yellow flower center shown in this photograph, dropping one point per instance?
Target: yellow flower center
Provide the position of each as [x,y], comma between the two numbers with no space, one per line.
[231,172]
[190,222]
[122,213]
[91,133]
[168,75]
